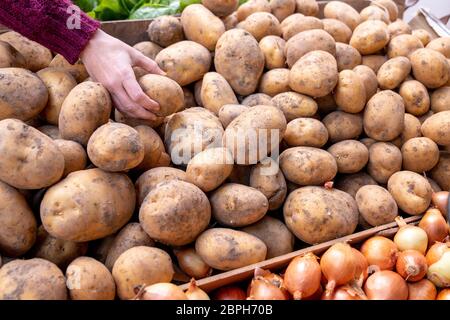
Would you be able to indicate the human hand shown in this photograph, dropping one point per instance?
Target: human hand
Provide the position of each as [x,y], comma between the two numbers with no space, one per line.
[110,62]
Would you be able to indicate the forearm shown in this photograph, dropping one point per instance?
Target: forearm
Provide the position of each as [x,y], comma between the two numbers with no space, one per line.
[50,23]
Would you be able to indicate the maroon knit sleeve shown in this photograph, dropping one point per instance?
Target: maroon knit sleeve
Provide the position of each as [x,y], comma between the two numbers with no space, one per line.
[56,24]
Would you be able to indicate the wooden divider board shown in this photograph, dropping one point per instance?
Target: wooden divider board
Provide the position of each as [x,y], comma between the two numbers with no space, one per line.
[237,275]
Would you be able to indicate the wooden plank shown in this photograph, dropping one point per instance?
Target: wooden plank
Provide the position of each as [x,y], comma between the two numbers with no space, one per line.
[237,275]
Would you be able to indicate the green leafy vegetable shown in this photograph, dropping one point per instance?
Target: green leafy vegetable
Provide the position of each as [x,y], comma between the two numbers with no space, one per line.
[86,5]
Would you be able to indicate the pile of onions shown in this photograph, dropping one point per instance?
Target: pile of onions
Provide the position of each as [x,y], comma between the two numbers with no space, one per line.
[338,265]
[267,287]
[344,292]
[410,237]
[195,293]
[302,276]
[192,264]
[439,272]
[411,265]
[380,252]
[386,285]
[440,201]
[444,295]
[422,290]
[161,291]
[434,225]
[436,251]
[230,293]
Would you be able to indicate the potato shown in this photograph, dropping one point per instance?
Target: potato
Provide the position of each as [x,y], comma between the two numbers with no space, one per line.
[374,61]
[307,7]
[307,41]
[370,37]
[189,98]
[267,177]
[175,213]
[306,132]
[239,60]
[326,104]
[36,56]
[315,74]
[275,235]
[229,112]
[272,48]
[132,235]
[403,45]
[23,94]
[257,99]
[353,182]
[374,12]
[50,131]
[415,96]
[437,128]
[185,61]
[440,100]
[140,266]
[216,92]
[441,45]
[133,122]
[165,31]
[337,29]
[351,155]
[368,142]
[202,26]
[316,214]
[376,205]
[77,70]
[30,159]
[441,172]
[115,147]
[75,157]
[33,279]
[350,92]
[391,7]
[86,108]
[420,154]
[412,128]
[347,57]
[254,134]
[368,78]
[261,24]
[393,72]
[252,6]
[151,178]
[307,165]
[282,9]
[343,12]
[294,105]
[343,126]
[190,132]
[425,116]
[430,67]
[227,249]
[411,191]
[274,82]
[88,205]
[154,152]
[230,21]
[384,116]
[299,25]
[423,35]
[11,58]
[398,27]
[385,159]
[221,8]
[148,48]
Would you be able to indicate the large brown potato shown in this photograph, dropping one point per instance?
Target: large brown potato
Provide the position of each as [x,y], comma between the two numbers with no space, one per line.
[338,30]
[216,92]
[294,105]
[353,182]
[154,152]
[77,70]
[391,7]
[350,92]
[148,49]
[257,99]
[369,79]
[229,112]
[374,12]
[440,99]
[261,24]
[347,57]
[415,96]
[252,6]
[441,45]
[420,154]
[300,24]
[275,81]
[441,172]
[11,58]
[343,12]
[165,31]
[376,205]
[351,155]
[393,72]
[273,48]
[75,157]
[437,128]
[307,7]
[412,128]
[370,37]
[430,67]
[306,132]
[385,159]
[399,27]
[342,125]
[423,35]
[221,8]
[403,45]
[282,8]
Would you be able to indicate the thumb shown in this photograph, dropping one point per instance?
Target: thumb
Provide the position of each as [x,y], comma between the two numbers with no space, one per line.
[147,64]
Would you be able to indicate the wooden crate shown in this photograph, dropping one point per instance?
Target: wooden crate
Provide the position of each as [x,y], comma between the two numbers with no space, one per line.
[245,273]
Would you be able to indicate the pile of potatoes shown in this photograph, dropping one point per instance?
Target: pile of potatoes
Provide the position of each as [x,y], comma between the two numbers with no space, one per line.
[95,205]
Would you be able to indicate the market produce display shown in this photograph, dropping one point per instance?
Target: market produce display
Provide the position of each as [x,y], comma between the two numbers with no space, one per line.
[277,131]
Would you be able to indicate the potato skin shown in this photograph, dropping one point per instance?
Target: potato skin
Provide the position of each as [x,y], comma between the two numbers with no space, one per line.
[141,265]
[275,81]
[403,45]
[398,27]
[230,21]
[412,128]
[437,128]
[275,235]
[384,116]
[216,92]
[393,72]
[337,29]
[239,60]
[154,152]
[376,205]
[370,37]
[273,48]
[441,172]
[343,12]
[175,213]
[423,35]
[148,49]
[227,249]
[30,159]
[10,57]
[229,112]
[368,78]
[252,6]
[315,74]
[420,154]
[315,214]
[385,159]
[282,9]
[351,155]
[429,67]
[294,105]
[307,7]
[77,70]
[88,205]
[347,57]
[306,132]
[303,23]
[261,24]
[50,131]
[307,165]
[441,45]
[440,100]
[353,182]
[350,93]
[257,99]
[342,125]
[221,8]
[391,7]
[165,31]
[374,61]
[75,157]
[411,191]
[374,12]
[415,96]
[88,279]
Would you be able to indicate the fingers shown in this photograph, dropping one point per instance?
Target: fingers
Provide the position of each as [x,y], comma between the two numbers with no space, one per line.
[136,94]
[146,63]
[130,108]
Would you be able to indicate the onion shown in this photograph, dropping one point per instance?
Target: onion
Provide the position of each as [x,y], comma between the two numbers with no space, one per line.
[302,276]
[191,263]
[411,265]
[362,268]
[345,292]
[440,201]
[439,272]
[162,291]
[386,285]
[195,293]
[230,293]
[422,290]
[317,295]
[436,251]
[380,252]
[338,265]
[444,295]
[410,237]
[262,289]
[434,225]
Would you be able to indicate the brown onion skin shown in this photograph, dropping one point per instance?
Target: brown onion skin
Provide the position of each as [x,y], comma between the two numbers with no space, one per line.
[317,295]
[440,201]
[380,252]
[386,285]
[302,276]
[444,295]
[230,293]
[362,270]
[422,290]
[435,252]
[195,293]
[262,289]
[163,291]
[434,225]
[411,265]
[344,292]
